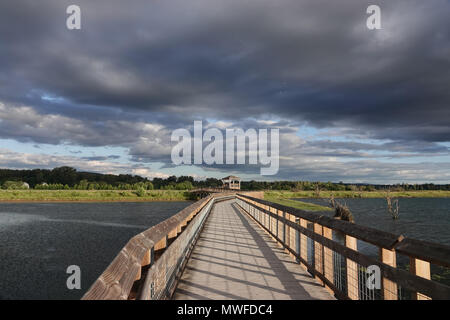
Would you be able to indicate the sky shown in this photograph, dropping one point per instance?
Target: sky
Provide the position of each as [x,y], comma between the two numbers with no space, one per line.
[351,104]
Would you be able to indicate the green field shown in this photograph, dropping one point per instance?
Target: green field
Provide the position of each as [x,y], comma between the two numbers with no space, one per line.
[358,194]
[284,197]
[93,195]
[281,197]
[277,197]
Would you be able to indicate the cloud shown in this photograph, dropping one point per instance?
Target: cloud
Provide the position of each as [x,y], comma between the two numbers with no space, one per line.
[17,160]
[138,70]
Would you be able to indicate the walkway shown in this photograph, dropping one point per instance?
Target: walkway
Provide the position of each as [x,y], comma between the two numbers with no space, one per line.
[235,259]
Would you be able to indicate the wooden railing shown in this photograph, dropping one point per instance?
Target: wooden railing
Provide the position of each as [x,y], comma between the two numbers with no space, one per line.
[328,249]
[149,265]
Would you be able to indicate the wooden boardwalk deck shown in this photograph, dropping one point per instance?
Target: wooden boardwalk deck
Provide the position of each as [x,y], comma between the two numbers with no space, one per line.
[235,259]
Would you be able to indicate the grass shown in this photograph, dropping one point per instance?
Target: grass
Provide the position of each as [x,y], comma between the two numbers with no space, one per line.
[92,195]
[281,197]
[285,201]
[357,194]
[284,197]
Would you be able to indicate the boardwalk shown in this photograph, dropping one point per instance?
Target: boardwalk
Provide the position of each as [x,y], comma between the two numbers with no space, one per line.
[235,259]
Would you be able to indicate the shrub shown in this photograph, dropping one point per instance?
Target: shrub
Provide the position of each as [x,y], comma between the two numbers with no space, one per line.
[140,192]
[342,212]
[15,185]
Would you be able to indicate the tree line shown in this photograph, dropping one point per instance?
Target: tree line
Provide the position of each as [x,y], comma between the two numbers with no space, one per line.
[70,178]
[340,186]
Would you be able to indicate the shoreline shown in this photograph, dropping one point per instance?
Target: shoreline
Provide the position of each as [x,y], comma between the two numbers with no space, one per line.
[88,196]
[357,194]
[92,200]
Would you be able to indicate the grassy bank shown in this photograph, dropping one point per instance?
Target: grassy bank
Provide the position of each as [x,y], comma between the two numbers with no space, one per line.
[284,197]
[285,201]
[358,194]
[92,195]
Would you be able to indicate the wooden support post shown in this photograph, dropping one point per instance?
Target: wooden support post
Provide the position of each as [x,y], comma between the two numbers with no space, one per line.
[304,242]
[277,233]
[422,269]
[318,253]
[297,240]
[270,219]
[352,270]
[146,260]
[173,233]
[161,244]
[328,257]
[291,232]
[138,275]
[389,287]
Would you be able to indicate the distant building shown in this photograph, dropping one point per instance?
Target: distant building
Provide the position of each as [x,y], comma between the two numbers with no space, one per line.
[232,182]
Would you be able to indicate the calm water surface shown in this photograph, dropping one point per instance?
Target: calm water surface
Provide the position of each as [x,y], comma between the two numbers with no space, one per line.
[38,241]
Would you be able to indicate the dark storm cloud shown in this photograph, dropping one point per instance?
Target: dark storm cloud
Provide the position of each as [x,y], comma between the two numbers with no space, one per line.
[305,60]
[169,62]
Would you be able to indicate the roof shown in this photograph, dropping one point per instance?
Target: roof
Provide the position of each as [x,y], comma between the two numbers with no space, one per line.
[232,177]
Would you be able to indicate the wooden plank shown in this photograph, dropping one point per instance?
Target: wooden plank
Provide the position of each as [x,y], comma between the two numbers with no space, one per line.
[328,257]
[389,287]
[303,241]
[318,251]
[173,233]
[291,232]
[434,253]
[422,269]
[352,270]
[161,244]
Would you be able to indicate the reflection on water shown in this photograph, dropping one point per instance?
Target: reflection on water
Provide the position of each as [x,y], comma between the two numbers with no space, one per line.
[38,241]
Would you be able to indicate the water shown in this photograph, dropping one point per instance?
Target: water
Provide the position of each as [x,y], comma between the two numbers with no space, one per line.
[426,219]
[38,241]
[420,218]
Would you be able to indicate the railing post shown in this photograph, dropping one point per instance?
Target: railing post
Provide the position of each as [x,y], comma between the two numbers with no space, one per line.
[318,253]
[389,287]
[328,256]
[173,234]
[304,242]
[162,244]
[420,268]
[276,224]
[266,220]
[292,232]
[147,258]
[352,271]
[297,240]
[270,219]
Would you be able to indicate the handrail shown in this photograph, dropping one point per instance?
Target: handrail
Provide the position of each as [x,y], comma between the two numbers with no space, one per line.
[117,280]
[340,267]
[162,277]
[149,265]
[434,252]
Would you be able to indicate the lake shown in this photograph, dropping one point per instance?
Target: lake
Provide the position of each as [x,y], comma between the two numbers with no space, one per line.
[38,241]
[425,219]
[420,218]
